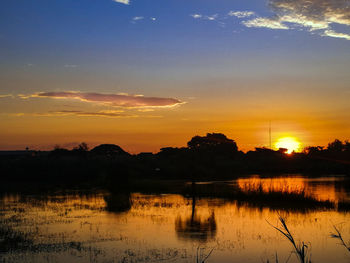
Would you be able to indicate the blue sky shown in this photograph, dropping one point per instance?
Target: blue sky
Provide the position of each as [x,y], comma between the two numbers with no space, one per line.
[92,33]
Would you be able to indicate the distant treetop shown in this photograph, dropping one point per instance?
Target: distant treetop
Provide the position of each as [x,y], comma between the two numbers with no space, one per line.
[108,149]
[213,141]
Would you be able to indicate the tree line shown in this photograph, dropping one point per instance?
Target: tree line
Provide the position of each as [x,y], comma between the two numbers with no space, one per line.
[209,157]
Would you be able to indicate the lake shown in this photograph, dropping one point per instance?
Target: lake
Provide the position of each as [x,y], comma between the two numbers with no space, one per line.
[221,220]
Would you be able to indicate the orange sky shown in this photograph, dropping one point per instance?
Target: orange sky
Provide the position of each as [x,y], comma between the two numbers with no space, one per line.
[244,120]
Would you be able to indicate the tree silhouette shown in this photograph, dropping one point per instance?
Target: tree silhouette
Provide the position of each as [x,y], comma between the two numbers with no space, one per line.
[336,146]
[108,150]
[83,147]
[216,142]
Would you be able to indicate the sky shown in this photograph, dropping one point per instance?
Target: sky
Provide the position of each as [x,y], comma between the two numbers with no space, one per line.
[147,74]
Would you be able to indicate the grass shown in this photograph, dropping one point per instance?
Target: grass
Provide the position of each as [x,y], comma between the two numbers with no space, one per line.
[300,248]
[200,257]
[337,235]
[343,206]
[298,201]
[11,240]
[276,259]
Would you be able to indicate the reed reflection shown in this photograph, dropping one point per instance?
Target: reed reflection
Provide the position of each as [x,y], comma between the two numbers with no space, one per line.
[324,189]
[119,198]
[196,227]
[118,202]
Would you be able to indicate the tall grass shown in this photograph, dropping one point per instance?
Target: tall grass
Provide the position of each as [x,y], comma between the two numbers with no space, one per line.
[300,248]
[297,200]
[200,257]
[337,235]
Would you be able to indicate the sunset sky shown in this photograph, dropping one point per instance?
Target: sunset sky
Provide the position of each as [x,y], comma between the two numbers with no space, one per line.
[146,74]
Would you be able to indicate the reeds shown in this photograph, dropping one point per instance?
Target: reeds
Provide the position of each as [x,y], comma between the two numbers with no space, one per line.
[298,201]
[300,248]
[337,235]
[276,258]
[201,258]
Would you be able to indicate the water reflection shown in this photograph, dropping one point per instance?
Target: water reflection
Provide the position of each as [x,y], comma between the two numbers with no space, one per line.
[196,227]
[118,202]
[136,227]
[326,188]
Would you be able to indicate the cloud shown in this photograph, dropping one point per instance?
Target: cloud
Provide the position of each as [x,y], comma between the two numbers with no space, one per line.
[212,17]
[117,100]
[205,17]
[146,110]
[196,16]
[153,18]
[137,18]
[331,33]
[103,114]
[6,96]
[312,15]
[241,14]
[265,22]
[106,114]
[315,11]
[125,2]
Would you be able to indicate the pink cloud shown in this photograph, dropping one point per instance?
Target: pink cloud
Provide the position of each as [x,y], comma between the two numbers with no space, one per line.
[118,100]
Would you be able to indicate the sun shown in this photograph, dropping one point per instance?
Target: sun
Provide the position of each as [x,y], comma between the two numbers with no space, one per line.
[292,144]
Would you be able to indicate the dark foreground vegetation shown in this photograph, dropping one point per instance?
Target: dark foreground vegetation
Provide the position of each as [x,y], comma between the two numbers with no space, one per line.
[211,157]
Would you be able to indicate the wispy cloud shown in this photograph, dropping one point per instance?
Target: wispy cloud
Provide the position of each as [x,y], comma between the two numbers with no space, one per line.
[205,17]
[106,114]
[103,114]
[137,18]
[196,16]
[331,33]
[212,17]
[6,96]
[117,100]
[315,11]
[312,15]
[265,22]
[125,2]
[241,14]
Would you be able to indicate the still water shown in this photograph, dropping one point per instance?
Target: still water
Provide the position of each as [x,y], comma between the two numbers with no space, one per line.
[176,227]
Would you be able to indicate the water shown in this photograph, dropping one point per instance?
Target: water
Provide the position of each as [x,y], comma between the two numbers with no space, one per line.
[136,227]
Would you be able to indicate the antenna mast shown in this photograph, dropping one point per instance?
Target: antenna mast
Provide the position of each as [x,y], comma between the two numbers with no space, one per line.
[270,136]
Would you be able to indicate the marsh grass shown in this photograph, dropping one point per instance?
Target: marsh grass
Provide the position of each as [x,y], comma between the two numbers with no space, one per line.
[338,235]
[300,248]
[11,240]
[276,259]
[201,257]
[343,206]
[297,200]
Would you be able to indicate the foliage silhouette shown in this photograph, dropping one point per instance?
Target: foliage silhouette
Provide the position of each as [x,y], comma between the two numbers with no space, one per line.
[210,157]
[108,150]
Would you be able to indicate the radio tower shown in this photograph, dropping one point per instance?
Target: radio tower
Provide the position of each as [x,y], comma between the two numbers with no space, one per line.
[270,136]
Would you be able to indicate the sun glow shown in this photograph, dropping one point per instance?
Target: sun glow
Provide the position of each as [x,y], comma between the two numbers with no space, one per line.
[290,143]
